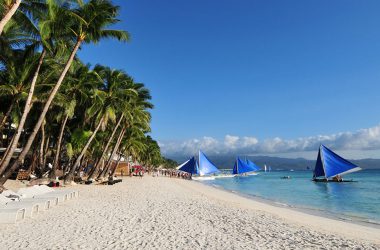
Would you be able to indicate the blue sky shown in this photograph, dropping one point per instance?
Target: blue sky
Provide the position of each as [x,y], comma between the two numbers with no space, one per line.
[266,70]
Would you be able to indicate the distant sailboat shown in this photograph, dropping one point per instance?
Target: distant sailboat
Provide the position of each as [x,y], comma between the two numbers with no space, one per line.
[331,166]
[244,167]
[205,169]
[265,168]
[253,165]
[189,166]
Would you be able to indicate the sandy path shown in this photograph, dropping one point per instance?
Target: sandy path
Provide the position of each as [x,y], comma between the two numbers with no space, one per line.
[164,213]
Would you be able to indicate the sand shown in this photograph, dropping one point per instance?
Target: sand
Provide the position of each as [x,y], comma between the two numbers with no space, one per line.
[165,213]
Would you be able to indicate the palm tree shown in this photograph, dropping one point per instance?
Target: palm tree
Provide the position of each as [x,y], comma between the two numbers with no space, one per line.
[116,81]
[74,92]
[9,8]
[113,96]
[63,117]
[19,10]
[138,120]
[19,66]
[88,24]
[51,20]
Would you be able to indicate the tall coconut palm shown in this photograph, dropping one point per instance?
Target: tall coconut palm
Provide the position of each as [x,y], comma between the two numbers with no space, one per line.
[19,66]
[138,118]
[75,92]
[49,21]
[88,24]
[63,117]
[113,96]
[115,81]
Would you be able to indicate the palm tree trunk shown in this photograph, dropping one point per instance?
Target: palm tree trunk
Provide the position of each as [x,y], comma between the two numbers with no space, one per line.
[28,104]
[69,176]
[8,15]
[6,151]
[41,154]
[106,147]
[116,147]
[117,164]
[46,149]
[7,114]
[93,173]
[52,174]
[93,169]
[31,138]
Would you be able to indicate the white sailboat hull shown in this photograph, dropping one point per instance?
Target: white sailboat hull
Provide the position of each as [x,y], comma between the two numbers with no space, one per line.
[225,176]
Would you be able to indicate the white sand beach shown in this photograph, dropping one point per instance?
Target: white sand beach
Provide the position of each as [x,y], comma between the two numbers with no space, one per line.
[165,213]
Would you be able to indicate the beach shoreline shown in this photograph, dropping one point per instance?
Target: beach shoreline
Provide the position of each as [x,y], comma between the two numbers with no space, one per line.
[266,205]
[171,213]
[306,210]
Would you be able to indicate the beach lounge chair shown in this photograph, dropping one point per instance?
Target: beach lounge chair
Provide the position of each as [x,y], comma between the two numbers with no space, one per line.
[11,215]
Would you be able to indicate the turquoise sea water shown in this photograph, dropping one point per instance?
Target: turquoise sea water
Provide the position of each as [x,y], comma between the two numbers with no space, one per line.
[357,201]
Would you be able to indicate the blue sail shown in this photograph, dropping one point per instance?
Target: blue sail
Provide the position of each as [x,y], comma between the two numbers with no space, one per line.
[205,165]
[235,169]
[318,170]
[242,167]
[190,166]
[253,165]
[332,164]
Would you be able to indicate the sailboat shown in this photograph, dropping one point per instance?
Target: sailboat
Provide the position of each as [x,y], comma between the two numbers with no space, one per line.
[253,165]
[331,166]
[189,166]
[244,167]
[205,169]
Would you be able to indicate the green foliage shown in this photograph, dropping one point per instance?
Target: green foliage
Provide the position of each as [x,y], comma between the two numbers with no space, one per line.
[87,95]
[79,138]
[169,163]
[69,150]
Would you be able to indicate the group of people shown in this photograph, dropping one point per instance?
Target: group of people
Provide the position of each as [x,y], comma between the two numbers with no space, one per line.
[173,173]
[137,171]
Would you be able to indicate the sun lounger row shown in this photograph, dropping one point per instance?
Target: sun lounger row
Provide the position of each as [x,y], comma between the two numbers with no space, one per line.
[28,202]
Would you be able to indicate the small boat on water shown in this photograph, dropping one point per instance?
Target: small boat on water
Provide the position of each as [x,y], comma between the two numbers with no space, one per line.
[204,171]
[331,167]
[244,168]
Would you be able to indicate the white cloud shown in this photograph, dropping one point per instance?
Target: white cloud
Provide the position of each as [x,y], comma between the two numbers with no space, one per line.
[362,140]
[231,141]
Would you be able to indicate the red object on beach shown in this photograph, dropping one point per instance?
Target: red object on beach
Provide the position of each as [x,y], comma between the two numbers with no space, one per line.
[138,169]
